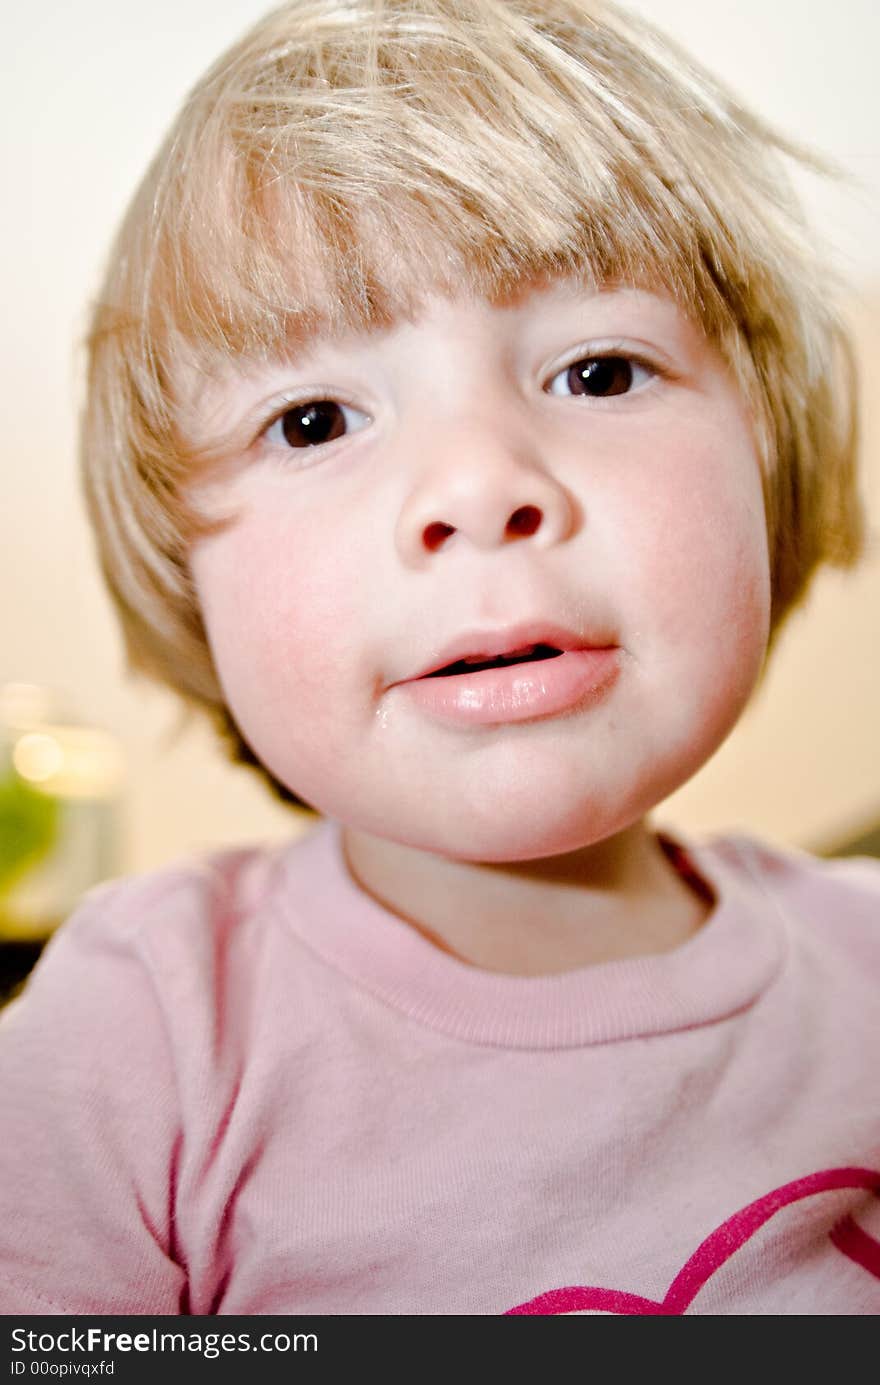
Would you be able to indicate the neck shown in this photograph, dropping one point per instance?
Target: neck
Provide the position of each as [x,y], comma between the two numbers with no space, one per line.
[619,898]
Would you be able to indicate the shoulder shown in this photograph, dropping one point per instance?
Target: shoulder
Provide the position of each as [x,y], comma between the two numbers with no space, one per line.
[836,898]
[206,888]
[191,905]
[157,945]
[851,879]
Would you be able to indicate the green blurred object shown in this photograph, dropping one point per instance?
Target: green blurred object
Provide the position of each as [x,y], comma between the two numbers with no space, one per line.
[60,795]
[29,822]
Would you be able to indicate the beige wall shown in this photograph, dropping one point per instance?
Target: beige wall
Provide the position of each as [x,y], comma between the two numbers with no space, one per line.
[89,89]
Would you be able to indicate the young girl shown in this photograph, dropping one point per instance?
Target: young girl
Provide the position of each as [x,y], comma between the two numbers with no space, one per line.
[466,413]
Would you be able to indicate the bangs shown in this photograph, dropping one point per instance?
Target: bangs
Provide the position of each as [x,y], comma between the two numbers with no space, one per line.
[327,182]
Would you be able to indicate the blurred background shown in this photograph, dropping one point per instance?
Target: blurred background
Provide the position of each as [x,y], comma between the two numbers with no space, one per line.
[99,777]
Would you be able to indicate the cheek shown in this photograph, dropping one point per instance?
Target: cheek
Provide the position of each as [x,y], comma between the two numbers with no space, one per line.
[281,613]
[701,569]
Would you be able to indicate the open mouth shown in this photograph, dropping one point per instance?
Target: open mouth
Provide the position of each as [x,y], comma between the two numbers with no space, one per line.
[530,654]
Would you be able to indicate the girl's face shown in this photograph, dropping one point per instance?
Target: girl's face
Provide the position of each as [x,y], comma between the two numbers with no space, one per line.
[572,470]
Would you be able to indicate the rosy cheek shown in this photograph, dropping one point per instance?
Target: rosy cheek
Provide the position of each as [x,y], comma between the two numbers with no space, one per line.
[701,564]
[276,600]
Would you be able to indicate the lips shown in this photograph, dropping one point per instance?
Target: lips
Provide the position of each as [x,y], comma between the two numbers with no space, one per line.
[477,664]
[522,673]
[528,642]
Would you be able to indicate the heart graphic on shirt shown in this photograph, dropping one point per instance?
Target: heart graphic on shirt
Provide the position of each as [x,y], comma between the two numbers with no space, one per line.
[717,1249]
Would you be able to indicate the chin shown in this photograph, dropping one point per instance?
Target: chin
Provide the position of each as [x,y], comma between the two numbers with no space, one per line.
[524,831]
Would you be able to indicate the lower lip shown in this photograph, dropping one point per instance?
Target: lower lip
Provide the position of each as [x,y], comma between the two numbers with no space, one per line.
[520,692]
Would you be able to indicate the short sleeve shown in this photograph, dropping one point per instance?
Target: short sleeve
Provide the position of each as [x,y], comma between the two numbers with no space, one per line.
[90,1130]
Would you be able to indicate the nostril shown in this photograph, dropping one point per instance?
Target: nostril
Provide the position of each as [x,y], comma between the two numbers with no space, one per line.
[436,534]
[524,521]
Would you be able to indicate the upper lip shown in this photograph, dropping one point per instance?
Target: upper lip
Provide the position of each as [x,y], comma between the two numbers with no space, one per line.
[491,644]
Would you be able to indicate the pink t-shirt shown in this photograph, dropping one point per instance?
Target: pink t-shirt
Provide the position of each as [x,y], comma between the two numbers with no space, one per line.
[241,1086]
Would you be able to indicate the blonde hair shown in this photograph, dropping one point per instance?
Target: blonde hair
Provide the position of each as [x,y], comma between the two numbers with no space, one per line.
[347,154]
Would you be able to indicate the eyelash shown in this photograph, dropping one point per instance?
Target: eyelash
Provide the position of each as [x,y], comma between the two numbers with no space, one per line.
[305,406]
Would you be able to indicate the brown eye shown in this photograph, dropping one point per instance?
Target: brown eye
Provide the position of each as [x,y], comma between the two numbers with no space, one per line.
[307,425]
[601,376]
[312,423]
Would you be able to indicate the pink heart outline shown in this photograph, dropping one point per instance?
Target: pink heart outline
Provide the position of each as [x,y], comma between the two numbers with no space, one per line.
[717,1249]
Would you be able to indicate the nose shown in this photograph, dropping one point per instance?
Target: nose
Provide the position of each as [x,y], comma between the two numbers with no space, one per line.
[484,491]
